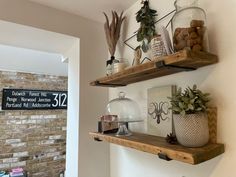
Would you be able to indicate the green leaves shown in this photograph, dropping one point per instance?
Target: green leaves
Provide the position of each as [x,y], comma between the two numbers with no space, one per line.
[191,101]
[146,17]
[190,107]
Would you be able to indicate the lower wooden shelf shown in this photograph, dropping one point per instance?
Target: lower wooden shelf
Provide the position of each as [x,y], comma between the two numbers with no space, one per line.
[158,146]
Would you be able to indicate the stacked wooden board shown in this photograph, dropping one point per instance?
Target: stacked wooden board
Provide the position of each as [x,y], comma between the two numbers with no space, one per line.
[181,61]
[159,146]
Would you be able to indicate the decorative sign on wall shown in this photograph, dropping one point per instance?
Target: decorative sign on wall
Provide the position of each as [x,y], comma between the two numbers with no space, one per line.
[22,99]
[159,121]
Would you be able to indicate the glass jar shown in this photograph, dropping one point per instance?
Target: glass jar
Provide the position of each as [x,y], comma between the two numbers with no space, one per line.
[114,65]
[189,27]
[125,108]
[126,111]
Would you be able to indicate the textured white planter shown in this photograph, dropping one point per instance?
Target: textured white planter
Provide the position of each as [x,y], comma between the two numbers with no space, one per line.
[192,129]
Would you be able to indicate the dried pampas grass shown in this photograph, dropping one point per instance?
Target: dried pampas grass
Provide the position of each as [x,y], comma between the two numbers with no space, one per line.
[112,30]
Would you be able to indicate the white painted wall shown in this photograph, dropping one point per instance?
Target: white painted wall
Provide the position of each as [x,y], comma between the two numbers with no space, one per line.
[217,79]
[71,49]
[93,157]
[89,8]
[31,61]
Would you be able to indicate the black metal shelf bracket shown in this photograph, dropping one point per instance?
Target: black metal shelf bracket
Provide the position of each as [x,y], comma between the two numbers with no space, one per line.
[97,83]
[163,157]
[97,139]
[161,64]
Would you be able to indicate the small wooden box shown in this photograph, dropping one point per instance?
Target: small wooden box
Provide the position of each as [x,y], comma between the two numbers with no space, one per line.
[108,124]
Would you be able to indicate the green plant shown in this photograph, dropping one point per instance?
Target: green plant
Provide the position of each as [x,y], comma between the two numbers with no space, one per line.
[146,17]
[191,101]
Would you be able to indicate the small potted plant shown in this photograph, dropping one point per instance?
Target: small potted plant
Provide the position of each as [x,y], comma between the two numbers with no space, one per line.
[190,118]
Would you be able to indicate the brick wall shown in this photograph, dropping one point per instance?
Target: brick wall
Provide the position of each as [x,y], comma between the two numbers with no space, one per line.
[36,139]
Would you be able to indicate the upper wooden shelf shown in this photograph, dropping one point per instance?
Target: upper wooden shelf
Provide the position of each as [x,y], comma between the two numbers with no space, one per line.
[158,146]
[181,61]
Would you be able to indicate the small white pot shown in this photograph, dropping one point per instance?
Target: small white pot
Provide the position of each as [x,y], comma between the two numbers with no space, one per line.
[192,129]
[118,67]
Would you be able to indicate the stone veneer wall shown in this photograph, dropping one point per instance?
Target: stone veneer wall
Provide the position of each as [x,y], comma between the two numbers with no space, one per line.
[33,139]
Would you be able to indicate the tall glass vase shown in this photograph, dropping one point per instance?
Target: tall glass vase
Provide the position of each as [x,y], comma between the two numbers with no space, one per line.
[189,27]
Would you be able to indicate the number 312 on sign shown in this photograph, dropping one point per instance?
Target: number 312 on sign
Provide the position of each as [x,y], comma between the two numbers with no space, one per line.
[60,100]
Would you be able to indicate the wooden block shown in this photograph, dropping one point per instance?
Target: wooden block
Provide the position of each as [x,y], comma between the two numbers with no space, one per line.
[184,59]
[212,122]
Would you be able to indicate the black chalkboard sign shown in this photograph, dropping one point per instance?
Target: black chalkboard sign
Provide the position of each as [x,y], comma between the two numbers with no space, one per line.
[21,99]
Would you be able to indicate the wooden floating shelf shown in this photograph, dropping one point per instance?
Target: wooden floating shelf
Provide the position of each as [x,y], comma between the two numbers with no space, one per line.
[181,61]
[158,146]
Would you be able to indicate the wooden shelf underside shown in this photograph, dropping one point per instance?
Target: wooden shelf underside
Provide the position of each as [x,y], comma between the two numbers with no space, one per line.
[158,146]
[181,61]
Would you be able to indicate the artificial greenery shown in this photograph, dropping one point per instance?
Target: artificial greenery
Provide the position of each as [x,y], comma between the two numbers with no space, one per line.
[146,17]
[191,101]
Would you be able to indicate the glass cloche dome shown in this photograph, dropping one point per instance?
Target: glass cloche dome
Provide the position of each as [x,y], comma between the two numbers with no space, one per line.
[126,110]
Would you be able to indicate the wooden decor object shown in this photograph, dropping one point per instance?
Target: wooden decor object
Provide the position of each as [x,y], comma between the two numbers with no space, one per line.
[159,146]
[212,122]
[184,60]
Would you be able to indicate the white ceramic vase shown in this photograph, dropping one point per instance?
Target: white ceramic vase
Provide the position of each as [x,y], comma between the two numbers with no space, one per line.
[192,129]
